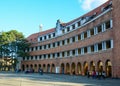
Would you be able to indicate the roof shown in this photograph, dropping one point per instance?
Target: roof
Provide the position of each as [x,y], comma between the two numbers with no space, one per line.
[97,10]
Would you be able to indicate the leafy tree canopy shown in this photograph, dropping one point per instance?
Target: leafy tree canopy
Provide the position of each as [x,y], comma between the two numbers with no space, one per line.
[10,36]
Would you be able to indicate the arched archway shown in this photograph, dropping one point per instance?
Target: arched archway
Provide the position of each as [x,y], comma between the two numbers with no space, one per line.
[85,68]
[100,66]
[92,66]
[108,66]
[79,68]
[73,68]
[31,66]
[62,68]
[48,68]
[39,65]
[44,68]
[35,68]
[67,68]
[53,68]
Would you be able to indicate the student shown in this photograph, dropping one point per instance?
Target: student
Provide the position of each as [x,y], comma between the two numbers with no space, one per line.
[103,75]
[88,74]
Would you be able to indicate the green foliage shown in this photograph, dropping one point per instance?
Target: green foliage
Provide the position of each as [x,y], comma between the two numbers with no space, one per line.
[13,44]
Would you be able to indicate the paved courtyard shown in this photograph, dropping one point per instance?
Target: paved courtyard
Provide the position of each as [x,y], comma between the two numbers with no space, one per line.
[21,79]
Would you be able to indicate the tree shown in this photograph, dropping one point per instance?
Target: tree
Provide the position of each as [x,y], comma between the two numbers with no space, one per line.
[13,44]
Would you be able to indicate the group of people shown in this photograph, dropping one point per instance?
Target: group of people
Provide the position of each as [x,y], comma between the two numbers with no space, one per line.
[96,74]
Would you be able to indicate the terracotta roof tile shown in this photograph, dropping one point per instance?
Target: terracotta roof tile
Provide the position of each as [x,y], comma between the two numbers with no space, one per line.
[34,36]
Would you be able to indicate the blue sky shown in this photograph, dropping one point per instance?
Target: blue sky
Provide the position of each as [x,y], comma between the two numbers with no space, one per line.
[26,15]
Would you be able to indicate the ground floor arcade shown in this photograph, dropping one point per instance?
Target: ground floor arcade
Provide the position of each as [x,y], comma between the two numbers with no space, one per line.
[77,68]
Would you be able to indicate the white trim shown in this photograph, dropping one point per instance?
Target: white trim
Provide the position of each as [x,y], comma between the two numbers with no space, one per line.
[112,43]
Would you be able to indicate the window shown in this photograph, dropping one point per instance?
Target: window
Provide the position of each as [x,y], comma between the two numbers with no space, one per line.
[48,56]
[44,46]
[100,46]
[68,53]
[85,49]
[49,36]
[92,48]
[79,37]
[40,47]
[48,45]
[23,58]
[85,35]
[73,26]
[31,57]
[68,29]
[44,37]
[53,34]
[27,58]
[68,41]
[40,57]
[35,57]
[27,50]
[53,44]
[40,38]
[53,55]
[31,48]
[78,24]
[82,36]
[44,56]
[36,48]
[79,51]
[58,54]
[92,32]
[108,44]
[58,43]
[73,52]
[107,24]
[99,28]
[73,39]
[63,54]
[63,42]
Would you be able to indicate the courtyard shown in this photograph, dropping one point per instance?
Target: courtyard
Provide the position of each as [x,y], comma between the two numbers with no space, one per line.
[35,79]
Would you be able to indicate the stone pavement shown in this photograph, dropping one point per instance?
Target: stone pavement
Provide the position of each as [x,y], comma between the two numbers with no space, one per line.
[35,79]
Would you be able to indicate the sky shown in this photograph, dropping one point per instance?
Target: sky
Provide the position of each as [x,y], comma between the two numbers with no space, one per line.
[27,15]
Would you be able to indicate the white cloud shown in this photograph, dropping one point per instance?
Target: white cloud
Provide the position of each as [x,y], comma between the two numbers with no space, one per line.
[90,4]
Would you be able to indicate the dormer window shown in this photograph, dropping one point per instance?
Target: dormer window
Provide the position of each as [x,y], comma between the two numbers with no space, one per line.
[73,26]
[40,38]
[68,29]
[49,36]
[44,37]
[53,34]
[78,24]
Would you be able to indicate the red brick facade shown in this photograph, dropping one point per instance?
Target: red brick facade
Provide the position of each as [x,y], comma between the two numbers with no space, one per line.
[101,60]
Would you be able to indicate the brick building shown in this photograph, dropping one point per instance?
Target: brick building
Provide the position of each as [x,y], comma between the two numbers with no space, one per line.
[90,42]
